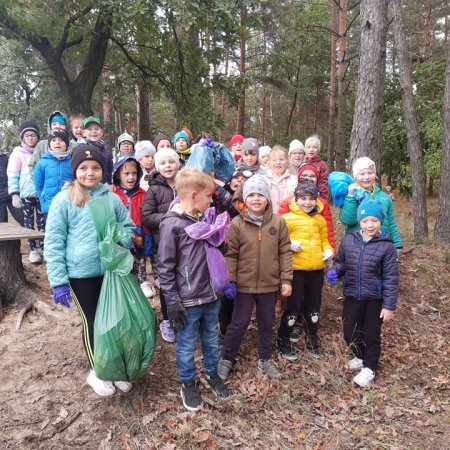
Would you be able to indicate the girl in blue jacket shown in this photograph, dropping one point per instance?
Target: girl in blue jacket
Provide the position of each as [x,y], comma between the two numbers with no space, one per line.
[367,259]
[74,268]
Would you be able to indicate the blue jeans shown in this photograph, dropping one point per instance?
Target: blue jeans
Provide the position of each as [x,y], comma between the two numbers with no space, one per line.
[202,322]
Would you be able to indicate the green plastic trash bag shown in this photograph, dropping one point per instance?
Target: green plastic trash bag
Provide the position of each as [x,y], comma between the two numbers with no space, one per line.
[125,323]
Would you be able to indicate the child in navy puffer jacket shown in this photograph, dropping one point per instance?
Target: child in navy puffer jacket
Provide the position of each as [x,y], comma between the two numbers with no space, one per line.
[367,259]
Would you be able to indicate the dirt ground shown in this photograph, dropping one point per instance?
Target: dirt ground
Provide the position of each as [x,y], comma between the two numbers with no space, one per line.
[45,404]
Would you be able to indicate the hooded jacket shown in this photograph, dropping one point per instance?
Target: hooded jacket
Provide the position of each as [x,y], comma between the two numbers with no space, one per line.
[143,240]
[20,180]
[71,243]
[182,268]
[311,232]
[370,269]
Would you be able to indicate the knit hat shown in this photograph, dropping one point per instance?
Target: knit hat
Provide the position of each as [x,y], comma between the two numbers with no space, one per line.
[313,139]
[85,152]
[91,119]
[59,118]
[305,187]
[189,133]
[256,184]
[29,126]
[235,139]
[264,150]
[164,152]
[372,208]
[249,144]
[144,148]
[308,166]
[59,133]
[296,145]
[361,164]
[125,137]
[184,135]
[159,138]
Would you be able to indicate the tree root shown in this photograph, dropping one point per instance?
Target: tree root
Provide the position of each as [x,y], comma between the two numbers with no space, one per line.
[27,308]
[36,306]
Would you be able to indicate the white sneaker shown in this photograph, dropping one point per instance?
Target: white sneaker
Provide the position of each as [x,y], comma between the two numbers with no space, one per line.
[102,388]
[148,289]
[35,257]
[364,377]
[124,386]
[355,363]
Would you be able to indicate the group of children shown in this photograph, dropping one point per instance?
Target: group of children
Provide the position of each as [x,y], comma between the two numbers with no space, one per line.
[279,244]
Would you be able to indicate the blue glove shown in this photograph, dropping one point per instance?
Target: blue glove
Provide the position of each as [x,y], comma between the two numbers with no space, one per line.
[230,291]
[332,276]
[61,295]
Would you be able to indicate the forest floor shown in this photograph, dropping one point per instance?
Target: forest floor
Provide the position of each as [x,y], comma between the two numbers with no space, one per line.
[45,403]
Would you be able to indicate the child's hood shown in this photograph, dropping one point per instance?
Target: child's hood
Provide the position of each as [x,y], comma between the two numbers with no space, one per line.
[53,114]
[119,163]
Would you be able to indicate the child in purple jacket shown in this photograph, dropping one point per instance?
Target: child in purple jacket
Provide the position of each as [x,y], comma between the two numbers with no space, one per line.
[367,259]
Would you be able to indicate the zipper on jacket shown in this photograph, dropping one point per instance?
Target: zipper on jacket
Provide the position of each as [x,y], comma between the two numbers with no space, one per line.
[360,269]
[259,257]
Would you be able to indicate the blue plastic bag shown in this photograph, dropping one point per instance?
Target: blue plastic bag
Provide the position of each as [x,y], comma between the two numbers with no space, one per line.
[338,183]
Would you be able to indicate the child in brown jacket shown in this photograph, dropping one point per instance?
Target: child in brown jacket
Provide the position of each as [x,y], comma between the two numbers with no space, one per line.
[260,264]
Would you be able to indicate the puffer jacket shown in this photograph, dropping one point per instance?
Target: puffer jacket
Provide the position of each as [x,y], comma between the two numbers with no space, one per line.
[348,214]
[20,180]
[370,269]
[4,196]
[325,211]
[50,175]
[322,167]
[311,232]
[71,241]
[280,188]
[259,258]
[157,200]
[182,268]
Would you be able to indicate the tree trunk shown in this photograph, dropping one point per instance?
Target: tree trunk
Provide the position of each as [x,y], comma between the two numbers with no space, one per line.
[224,94]
[414,143]
[240,122]
[332,103]
[366,137]
[342,94]
[143,107]
[442,228]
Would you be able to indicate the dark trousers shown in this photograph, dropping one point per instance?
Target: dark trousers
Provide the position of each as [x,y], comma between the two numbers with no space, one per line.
[304,303]
[17,213]
[30,205]
[86,292]
[162,298]
[242,314]
[225,314]
[362,330]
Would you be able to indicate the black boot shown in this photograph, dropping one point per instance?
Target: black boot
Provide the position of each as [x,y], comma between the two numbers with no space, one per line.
[312,344]
[285,349]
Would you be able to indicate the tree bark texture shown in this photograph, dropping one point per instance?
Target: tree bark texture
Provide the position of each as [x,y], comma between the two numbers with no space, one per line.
[414,142]
[442,228]
[240,122]
[143,116]
[12,276]
[366,136]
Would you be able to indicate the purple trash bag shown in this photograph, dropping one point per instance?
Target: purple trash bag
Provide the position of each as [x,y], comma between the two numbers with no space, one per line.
[213,230]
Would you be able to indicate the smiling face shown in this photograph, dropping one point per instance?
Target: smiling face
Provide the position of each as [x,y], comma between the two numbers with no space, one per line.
[308,175]
[278,162]
[93,132]
[57,145]
[128,175]
[126,148]
[77,128]
[306,203]
[250,157]
[297,156]
[370,226]
[89,174]
[168,168]
[236,148]
[256,203]
[366,178]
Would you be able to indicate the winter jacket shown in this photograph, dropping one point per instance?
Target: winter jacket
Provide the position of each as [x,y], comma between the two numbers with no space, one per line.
[143,240]
[71,241]
[280,188]
[19,178]
[311,232]
[259,258]
[156,203]
[50,175]
[322,167]
[370,269]
[4,196]
[182,268]
[347,214]
[325,210]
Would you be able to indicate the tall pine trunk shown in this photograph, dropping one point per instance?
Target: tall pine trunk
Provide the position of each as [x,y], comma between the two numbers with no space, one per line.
[366,137]
[240,123]
[414,143]
[442,228]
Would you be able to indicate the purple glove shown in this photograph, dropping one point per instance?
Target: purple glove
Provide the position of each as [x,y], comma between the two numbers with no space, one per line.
[230,291]
[61,295]
[332,276]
